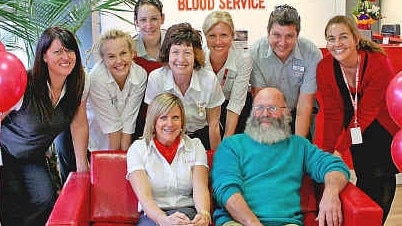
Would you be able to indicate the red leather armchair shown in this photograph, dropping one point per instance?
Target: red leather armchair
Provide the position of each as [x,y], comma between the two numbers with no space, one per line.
[104,197]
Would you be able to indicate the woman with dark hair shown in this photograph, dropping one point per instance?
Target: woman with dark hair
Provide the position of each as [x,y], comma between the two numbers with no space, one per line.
[353,119]
[54,100]
[184,75]
[148,19]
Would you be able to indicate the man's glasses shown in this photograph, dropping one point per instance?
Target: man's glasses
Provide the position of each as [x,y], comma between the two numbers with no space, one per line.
[259,109]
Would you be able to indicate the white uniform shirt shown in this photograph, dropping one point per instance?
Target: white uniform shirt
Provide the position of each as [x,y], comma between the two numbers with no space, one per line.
[234,77]
[204,92]
[111,109]
[172,184]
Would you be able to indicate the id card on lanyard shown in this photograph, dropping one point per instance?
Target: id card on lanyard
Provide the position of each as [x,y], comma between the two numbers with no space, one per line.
[355,132]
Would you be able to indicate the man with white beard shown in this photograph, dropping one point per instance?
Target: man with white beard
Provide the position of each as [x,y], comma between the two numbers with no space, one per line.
[257,175]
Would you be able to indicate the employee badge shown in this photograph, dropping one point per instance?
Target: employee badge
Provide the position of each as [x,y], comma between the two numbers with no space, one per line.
[356,135]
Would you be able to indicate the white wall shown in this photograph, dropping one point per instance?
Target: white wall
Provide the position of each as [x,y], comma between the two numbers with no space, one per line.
[391,9]
[314,15]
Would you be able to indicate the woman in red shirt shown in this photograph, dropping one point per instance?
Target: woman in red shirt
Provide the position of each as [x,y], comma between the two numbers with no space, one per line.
[353,120]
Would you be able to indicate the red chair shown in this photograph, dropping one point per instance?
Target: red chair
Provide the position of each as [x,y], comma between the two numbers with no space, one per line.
[104,197]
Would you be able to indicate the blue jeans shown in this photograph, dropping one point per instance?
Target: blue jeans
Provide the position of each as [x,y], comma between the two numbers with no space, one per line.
[65,153]
[146,221]
[27,195]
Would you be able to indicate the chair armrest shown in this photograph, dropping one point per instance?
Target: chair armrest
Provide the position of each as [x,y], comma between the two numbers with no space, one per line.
[358,208]
[72,206]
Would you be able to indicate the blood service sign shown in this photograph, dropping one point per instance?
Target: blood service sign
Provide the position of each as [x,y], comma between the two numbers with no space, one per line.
[190,5]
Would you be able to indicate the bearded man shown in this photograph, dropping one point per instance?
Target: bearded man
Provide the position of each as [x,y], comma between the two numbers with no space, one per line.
[257,175]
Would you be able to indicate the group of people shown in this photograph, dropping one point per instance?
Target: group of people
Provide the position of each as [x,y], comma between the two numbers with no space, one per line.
[167,99]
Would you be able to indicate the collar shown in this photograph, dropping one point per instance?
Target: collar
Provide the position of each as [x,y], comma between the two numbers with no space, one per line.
[230,61]
[180,148]
[140,46]
[194,82]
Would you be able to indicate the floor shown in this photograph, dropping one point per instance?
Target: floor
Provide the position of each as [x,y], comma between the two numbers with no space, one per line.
[395,216]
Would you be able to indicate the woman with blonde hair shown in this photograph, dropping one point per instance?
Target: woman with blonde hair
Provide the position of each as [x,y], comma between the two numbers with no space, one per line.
[168,170]
[116,92]
[232,67]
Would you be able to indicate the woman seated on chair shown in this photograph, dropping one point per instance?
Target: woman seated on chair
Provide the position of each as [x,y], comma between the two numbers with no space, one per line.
[168,170]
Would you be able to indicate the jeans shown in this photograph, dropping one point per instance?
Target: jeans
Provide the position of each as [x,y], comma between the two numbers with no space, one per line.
[146,221]
[27,195]
[65,153]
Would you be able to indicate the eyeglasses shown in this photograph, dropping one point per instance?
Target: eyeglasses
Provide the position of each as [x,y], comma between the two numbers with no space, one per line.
[62,50]
[259,109]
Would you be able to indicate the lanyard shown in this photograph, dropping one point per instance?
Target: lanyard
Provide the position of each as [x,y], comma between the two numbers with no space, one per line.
[354,100]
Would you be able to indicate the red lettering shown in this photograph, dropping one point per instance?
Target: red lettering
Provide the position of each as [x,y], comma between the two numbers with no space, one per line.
[241,4]
[195,5]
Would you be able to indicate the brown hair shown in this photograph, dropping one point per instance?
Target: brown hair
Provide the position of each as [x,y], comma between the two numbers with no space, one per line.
[183,33]
[363,43]
[284,15]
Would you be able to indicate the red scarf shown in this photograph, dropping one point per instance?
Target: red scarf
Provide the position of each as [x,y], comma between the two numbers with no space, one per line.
[169,152]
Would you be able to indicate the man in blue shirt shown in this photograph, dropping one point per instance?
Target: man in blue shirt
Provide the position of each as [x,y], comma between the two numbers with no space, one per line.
[257,175]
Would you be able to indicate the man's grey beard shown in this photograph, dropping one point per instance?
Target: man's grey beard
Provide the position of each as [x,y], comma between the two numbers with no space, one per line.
[278,130]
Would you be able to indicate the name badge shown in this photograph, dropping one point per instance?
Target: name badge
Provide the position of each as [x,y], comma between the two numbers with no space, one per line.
[298,68]
[356,135]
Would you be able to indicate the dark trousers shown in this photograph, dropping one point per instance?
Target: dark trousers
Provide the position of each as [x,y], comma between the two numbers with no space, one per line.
[375,170]
[245,113]
[27,194]
[65,154]
[203,135]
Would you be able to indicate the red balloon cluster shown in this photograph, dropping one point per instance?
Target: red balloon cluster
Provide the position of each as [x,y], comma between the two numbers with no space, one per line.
[394,105]
[13,79]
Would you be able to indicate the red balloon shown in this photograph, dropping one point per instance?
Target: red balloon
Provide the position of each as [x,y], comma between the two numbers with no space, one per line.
[396,150]
[13,80]
[394,98]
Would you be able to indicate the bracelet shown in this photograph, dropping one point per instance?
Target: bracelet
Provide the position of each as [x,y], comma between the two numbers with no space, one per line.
[205,213]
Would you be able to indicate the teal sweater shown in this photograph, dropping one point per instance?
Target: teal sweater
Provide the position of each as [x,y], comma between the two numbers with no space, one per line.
[268,176]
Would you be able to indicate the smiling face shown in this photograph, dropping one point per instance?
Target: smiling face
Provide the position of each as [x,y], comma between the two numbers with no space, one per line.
[269,104]
[181,60]
[60,60]
[168,126]
[219,39]
[117,56]
[149,20]
[341,43]
[282,40]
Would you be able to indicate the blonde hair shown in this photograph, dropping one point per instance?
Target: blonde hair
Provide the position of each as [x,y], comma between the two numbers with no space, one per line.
[114,34]
[217,17]
[162,104]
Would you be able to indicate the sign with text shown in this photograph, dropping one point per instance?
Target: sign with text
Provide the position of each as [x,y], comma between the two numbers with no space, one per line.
[248,15]
[190,5]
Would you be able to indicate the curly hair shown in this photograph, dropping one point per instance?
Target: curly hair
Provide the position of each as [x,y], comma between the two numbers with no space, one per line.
[183,33]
